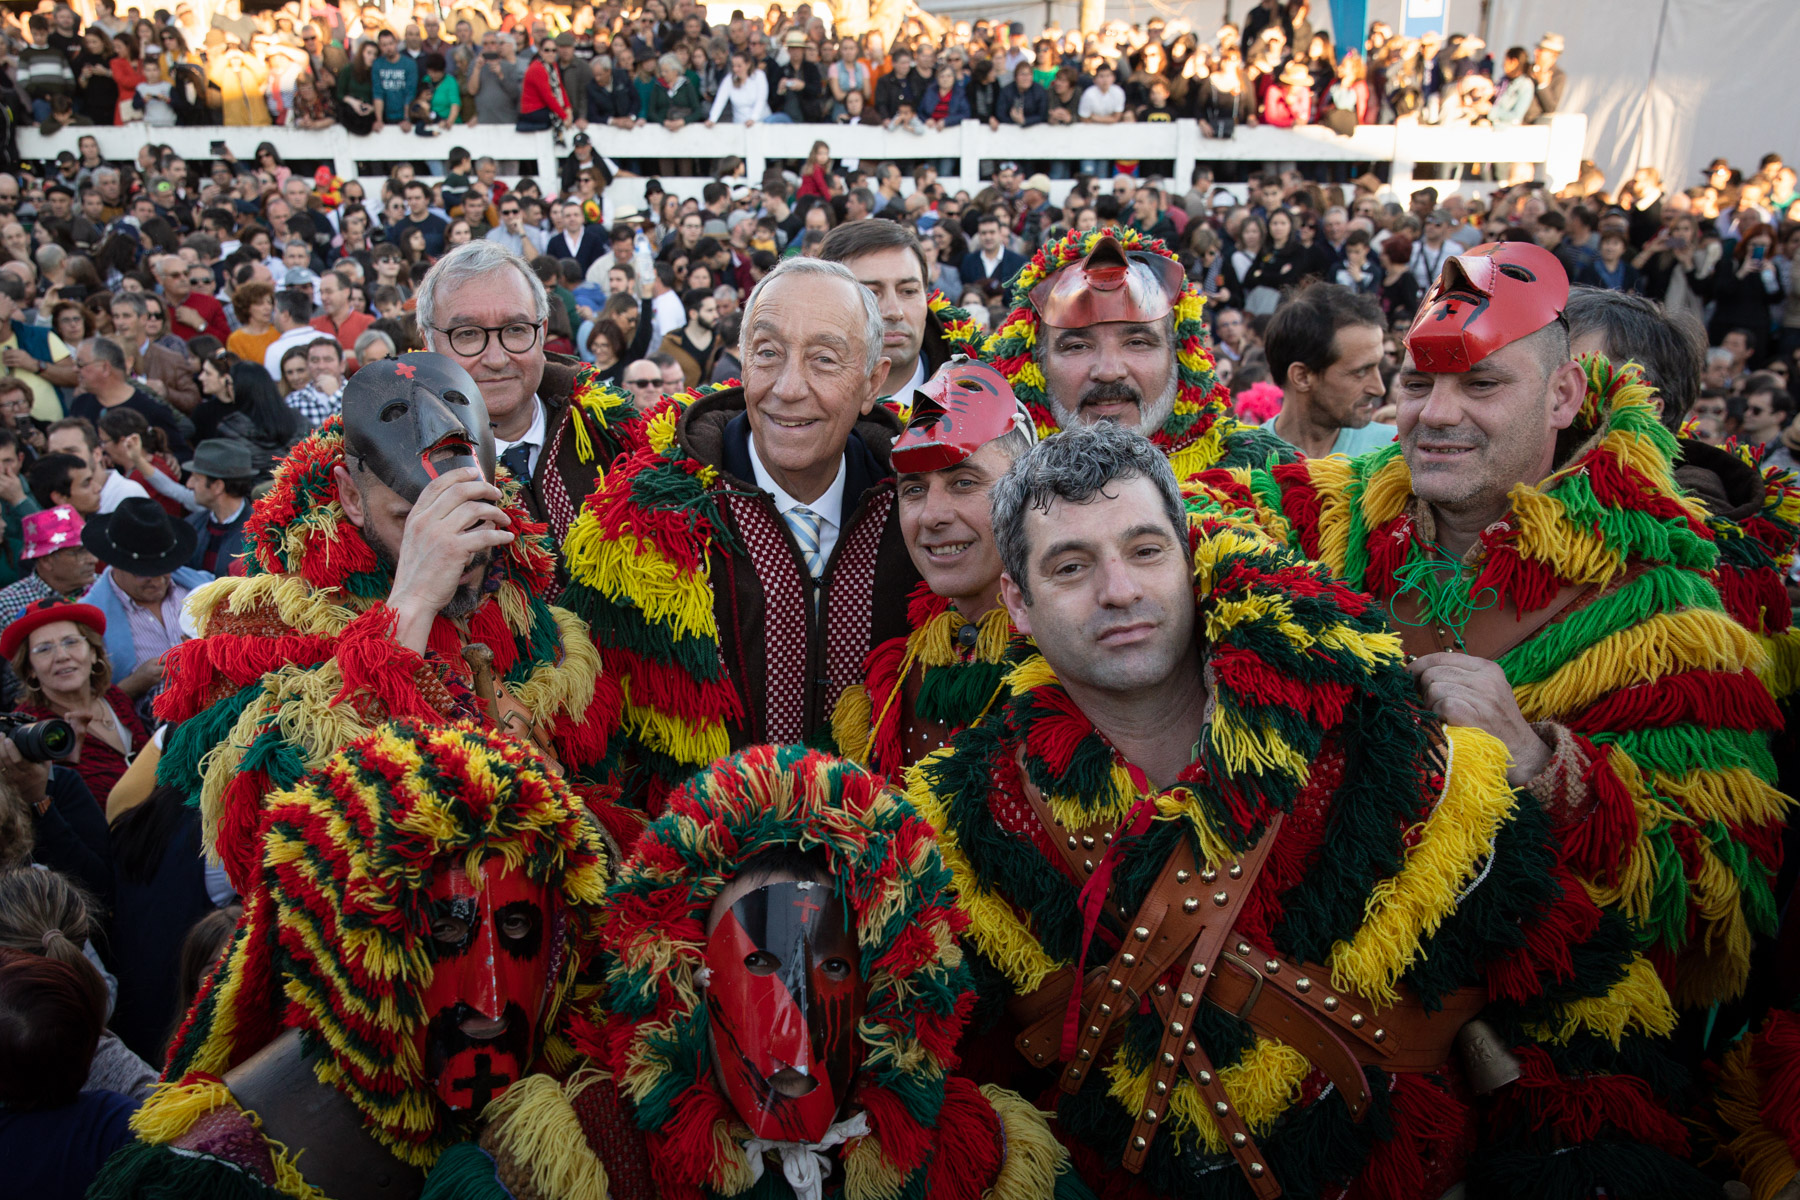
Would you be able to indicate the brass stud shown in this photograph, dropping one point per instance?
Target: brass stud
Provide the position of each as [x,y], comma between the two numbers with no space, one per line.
[1356,1020]
[1191,904]
[1380,1036]
[1071,841]
[1209,875]
[1142,933]
[1243,947]
[1128,959]
[1239,1140]
[1039,1057]
[1222,1108]
[1087,864]
[1106,1010]
[1084,1055]
[1093,1031]
[1187,999]
[1256,1170]
[1237,871]
[1331,1003]
[1074,1072]
[1087,841]
[1205,1078]
[1303,985]
[1189,1048]
[1162,1088]
[1183,875]
[1150,1115]
[1176,1028]
[1221,899]
[1161,989]
[1107,838]
[1168,1060]
[1138,1143]
[1116,985]
[1199,970]
[1272,967]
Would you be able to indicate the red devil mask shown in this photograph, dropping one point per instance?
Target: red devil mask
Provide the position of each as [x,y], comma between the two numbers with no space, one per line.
[962,408]
[1483,300]
[784,998]
[1110,284]
[495,948]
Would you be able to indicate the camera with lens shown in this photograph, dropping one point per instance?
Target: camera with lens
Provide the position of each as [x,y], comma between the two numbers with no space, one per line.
[50,740]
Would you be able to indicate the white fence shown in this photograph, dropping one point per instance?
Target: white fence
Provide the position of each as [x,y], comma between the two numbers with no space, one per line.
[1556,144]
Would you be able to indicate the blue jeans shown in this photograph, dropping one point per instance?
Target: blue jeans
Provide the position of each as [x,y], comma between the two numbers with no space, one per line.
[531,121]
[779,118]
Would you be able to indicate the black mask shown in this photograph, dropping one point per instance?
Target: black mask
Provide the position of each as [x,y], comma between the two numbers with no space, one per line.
[410,419]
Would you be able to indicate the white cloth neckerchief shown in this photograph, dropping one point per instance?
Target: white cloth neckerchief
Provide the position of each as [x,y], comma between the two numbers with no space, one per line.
[805,1163]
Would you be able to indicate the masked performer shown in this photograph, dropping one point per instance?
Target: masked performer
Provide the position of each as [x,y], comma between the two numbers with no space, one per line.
[1528,539]
[1105,326]
[786,990]
[414,936]
[1242,893]
[392,575]
[965,430]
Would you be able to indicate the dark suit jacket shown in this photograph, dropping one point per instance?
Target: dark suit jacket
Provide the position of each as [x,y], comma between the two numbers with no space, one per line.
[974,271]
[229,549]
[1589,276]
[593,245]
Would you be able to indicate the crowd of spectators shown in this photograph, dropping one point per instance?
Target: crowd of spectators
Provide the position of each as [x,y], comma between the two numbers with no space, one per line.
[536,65]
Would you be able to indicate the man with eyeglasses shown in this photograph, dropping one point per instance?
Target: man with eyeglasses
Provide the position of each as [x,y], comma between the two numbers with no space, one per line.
[513,233]
[643,381]
[192,313]
[486,309]
[164,373]
[156,323]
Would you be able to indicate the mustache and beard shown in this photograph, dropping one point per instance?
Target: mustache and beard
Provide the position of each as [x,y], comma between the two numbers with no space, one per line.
[1119,391]
[468,596]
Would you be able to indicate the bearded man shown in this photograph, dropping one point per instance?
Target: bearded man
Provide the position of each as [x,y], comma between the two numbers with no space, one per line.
[1555,587]
[966,429]
[376,1006]
[786,991]
[392,573]
[1240,893]
[1105,326]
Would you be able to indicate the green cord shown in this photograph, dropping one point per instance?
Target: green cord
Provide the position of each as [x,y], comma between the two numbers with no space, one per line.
[1445,598]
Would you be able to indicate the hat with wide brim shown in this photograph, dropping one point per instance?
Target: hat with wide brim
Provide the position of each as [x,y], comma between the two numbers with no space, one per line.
[47,612]
[1295,75]
[140,538]
[1552,42]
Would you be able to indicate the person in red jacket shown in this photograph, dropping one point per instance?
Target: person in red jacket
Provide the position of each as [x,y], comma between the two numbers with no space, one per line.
[1290,102]
[191,313]
[543,101]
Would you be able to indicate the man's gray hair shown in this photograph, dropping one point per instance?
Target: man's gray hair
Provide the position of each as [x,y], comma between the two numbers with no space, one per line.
[50,256]
[132,300]
[369,338]
[1074,466]
[822,269]
[107,351]
[470,261]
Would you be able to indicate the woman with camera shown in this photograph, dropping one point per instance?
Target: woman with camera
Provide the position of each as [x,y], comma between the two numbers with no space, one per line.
[59,653]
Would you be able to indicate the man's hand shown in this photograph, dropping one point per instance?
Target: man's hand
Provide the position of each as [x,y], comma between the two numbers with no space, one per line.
[456,517]
[12,488]
[1473,692]
[30,779]
[406,127]
[189,317]
[147,675]
[18,360]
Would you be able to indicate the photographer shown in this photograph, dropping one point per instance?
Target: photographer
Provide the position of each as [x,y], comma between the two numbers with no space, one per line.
[57,650]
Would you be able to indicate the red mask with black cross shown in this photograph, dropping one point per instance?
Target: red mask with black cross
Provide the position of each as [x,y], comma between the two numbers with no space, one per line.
[496,947]
[783,999]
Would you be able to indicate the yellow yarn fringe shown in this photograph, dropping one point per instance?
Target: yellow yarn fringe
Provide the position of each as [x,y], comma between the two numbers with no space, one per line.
[1663,645]
[1715,963]
[564,685]
[995,927]
[1408,907]
[1034,1157]
[868,1175]
[627,567]
[173,1108]
[660,430]
[533,1123]
[1261,1085]
[1764,1162]
[1636,885]
[1782,674]
[1548,535]
[1330,477]
[1637,1000]
[852,724]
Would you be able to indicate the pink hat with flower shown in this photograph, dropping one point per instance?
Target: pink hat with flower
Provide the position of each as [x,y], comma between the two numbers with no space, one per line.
[51,530]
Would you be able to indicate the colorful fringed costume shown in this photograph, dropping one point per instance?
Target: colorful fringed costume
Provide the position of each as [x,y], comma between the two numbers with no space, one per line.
[1755,549]
[929,1133]
[1758,1103]
[337,943]
[296,660]
[1201,432]
[1380,867]
[1657,703]
[949,331]
[698,598]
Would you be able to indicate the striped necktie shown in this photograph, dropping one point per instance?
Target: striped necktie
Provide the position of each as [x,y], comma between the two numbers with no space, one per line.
[805,524]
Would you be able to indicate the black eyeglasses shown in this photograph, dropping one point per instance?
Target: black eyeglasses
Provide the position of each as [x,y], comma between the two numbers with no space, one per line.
[470,340]
[643,383]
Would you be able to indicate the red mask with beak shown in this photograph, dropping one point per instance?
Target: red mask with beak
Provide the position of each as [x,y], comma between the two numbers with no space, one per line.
[1110,284]
[783,1001]
[494,947]
[962,408]
[1488,298]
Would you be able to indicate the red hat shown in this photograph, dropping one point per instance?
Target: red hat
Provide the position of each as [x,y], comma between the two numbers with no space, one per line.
[46,612]
[1484,300]
[959,410]
[1110,284]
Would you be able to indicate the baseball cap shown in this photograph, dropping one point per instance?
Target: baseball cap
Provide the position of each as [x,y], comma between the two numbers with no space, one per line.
[582,139]
[565,39]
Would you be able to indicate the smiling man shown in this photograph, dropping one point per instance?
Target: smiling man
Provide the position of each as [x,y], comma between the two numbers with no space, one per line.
[1535,554]
[920,329]
[1105,327]
[1324,348]
[966,429]
[737,575]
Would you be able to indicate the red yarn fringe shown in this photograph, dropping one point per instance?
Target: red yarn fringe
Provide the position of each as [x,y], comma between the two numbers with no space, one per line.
[1776,1056]
[905,1142]
[1430,1128]
[970,1144]
[1580,1109]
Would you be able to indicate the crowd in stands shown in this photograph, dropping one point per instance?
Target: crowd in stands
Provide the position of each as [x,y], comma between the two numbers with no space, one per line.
[537,66]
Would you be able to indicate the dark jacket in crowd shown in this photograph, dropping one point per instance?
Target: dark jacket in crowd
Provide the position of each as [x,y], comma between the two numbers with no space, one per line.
[892,88]
[617,99]
[1034,101]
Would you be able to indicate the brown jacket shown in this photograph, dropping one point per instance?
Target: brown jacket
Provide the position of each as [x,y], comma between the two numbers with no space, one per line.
[695,370]
[175,371]
[862,592]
